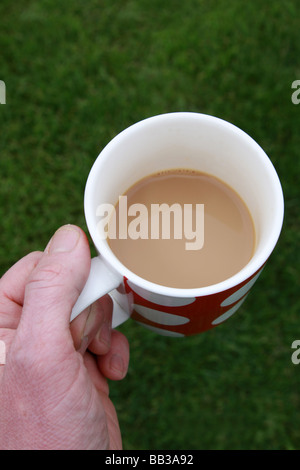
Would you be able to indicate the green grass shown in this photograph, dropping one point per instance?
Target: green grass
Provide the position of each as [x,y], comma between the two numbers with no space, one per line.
[76,74]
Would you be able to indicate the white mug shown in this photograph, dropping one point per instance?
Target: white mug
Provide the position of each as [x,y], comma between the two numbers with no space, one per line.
[191,141]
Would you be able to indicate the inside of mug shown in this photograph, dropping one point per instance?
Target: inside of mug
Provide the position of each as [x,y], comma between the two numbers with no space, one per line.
[191,141]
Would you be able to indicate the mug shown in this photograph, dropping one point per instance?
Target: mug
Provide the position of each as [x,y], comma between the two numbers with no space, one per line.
[169,141]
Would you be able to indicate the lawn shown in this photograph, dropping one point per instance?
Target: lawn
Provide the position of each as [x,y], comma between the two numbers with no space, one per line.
[76,74]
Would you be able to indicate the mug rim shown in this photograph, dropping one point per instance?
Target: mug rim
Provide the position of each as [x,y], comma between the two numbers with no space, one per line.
[254,264]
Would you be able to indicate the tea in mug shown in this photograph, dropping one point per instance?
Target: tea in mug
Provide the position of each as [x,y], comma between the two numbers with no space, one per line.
[182,228]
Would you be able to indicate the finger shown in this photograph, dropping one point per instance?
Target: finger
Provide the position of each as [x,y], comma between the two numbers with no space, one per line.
[55,284]
[114,365]
[99,337]
[98,379]
[91,329]
[77,327]
[12,289]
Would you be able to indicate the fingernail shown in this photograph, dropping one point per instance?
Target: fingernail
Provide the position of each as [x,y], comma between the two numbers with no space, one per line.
[64,240]
[117,364]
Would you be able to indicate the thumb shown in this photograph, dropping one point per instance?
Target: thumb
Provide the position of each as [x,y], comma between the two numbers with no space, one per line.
[56,282]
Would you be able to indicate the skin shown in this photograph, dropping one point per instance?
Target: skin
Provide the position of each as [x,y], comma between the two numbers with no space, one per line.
[53,386]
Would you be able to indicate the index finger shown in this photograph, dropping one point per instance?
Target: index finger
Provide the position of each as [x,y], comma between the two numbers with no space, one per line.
[92,328]
[12,289]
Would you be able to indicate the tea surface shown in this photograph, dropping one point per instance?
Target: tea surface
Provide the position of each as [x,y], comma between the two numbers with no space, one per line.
[216,228]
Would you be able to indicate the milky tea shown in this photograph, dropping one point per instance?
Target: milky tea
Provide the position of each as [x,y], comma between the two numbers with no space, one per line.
[182,228]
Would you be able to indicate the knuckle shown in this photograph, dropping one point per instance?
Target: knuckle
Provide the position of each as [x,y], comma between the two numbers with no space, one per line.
[46,286]
[45,275]
[55,277]
[51,286]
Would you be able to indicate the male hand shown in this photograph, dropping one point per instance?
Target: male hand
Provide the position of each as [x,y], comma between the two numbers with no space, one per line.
[53,385]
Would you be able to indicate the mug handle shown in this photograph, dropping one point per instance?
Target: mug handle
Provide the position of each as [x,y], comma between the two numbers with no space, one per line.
[101,281]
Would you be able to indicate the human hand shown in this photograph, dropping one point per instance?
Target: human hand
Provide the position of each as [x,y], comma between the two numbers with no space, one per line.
[53,387]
